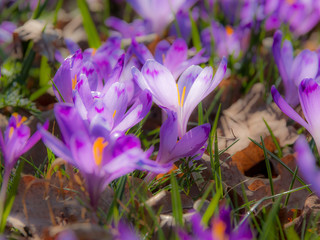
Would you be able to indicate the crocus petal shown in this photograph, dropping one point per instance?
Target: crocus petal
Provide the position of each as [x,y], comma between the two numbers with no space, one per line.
[287,109]
[191,142]
[161,50]
[69,120]
[63,83]
[309,94]
[136,113]
[71,45]
[177,53]
[307,164]
[159,81]
[141,51]
[56,145]
[218,75]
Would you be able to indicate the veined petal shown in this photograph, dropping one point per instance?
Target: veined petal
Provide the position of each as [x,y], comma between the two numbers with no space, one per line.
[63,82]
[218,75]
[141,51]
[136,113]
[191,142]
[159,81]
[287,109]
[309,94]
[56,145]
[307,164]
[161,50]
[177,54]
[69,121]
[168,137]
[305,65]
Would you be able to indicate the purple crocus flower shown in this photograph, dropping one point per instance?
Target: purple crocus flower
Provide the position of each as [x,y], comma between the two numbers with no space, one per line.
[220,229]
[6,30]
[309,95]
[227,40]
[174,57]
[160,13]
[293,70]
[15,142]
[100,156]
[300,15]
[307,164]
[193,86]
[171,149]
[128,30]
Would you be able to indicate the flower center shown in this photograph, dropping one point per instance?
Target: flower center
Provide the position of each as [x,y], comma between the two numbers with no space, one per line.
[229,30]
[94,50]
[19,122]
[98,146]
[219,230]
[180,101]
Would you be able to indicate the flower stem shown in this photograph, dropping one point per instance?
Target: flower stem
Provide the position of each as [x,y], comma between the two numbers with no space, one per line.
[3,193]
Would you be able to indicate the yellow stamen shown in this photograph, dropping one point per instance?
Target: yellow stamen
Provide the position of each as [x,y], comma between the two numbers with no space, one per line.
[94,50]
[74,82]
[98,147]
[22,120]
[114,113]
[178,94]
[290,1]
[11,131]
[183,94]
[219,230]
[229,30]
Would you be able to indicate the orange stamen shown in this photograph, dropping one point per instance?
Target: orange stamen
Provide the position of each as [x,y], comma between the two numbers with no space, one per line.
[94,50]
[98,147]
[219,230]
[114,113]
[229,30]
[74,82]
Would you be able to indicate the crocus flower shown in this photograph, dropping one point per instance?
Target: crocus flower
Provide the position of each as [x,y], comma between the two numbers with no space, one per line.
[193,85]
[6,30]
[220,229]
[293,70]
[189,145]
[300,15]
[174,57]
[101,157]
[307,164]
[128,30]
[309,95]
[160,13]
[227,40]
[15,142]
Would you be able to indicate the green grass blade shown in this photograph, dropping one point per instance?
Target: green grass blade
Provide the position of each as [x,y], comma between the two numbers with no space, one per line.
[11,195]
[195,33]
[274,139]
[268,166]
[176,201]
[45,72]
[291,186]
[213,104]
[88,24]
[200,114]
[211,208]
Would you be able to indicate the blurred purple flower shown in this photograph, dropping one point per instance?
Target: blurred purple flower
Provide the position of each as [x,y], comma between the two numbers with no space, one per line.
[293,70]
[172,148]
[101,157]
[307,164]
[6,30]
[160,13]
[220,229]
[309,95]
[227,40]
[174,57]
[300,15]
[128,30]
[182,98]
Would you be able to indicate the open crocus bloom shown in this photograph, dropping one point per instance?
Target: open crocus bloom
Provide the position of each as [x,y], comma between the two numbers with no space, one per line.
[16,140]
[172,149]
[307,164]
[100,156]
[309,95]
[174,57]
[221,228]
[193,85]
[293,70]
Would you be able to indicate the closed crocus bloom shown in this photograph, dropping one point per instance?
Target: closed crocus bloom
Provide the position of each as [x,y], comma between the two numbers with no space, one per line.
[100,156]
[172,148]
[307,164]
[182,98]
[293,69]
[309,95]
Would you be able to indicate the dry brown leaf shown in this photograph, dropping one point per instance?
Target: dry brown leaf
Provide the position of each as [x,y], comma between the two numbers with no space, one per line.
[245,119]
[43,35]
